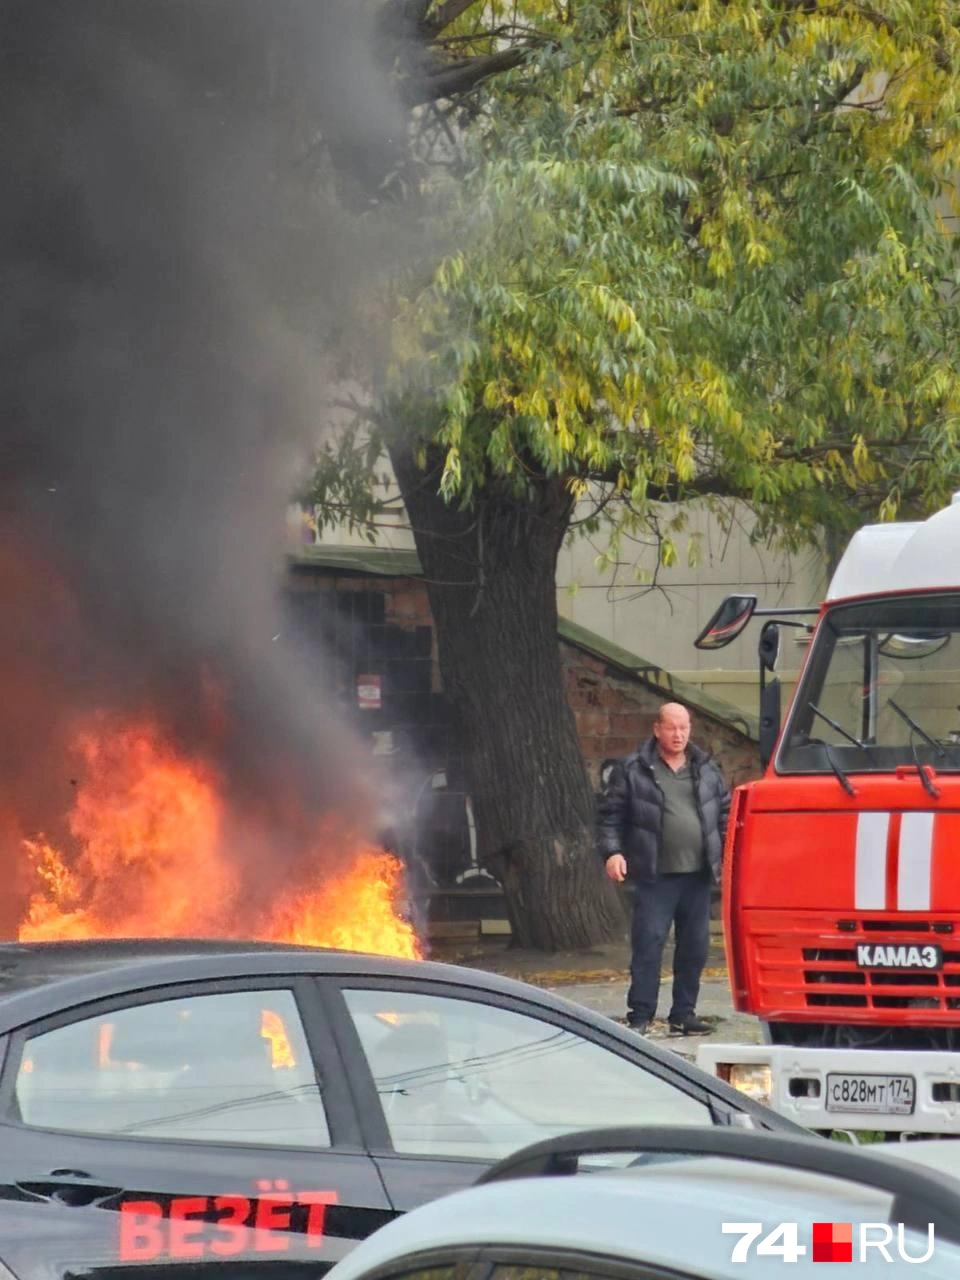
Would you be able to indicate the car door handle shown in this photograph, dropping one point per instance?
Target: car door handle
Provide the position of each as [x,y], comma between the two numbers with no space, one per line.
[70,1187]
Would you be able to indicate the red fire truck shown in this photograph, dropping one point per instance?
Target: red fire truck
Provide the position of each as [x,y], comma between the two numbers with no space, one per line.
[842,866]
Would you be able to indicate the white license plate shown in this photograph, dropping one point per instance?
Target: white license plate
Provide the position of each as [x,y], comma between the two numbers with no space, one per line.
[881,1095]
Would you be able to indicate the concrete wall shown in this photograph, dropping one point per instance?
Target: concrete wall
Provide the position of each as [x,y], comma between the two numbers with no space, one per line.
[660,623]
[741,689]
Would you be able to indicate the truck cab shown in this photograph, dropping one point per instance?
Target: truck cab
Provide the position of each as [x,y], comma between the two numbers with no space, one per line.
[842,863]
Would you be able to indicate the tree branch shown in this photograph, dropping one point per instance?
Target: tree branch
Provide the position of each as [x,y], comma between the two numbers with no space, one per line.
[444,16]
[416,10]
[401,18]
[448,81]
[675,490]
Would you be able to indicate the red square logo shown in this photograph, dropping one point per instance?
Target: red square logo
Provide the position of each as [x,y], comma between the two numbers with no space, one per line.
[833,1242]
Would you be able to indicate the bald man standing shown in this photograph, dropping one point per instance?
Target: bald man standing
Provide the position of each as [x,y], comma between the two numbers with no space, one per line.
[662,822]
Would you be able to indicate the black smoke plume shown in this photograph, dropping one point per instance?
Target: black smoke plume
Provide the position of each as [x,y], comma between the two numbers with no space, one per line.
[188,212]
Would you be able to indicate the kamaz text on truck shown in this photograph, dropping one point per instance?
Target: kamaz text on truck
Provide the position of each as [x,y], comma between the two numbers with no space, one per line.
[842,864]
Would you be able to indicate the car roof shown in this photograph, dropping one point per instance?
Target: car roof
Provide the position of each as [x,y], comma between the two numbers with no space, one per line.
[41,978]
[665,1215]
[29,964]
[942,1154]
[62,972]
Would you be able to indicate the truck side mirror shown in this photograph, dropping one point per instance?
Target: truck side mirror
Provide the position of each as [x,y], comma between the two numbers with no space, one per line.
[727,623]
[769,720]
[769,646]
[768,650]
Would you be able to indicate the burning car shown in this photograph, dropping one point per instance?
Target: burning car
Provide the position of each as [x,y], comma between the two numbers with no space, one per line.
[181,1103]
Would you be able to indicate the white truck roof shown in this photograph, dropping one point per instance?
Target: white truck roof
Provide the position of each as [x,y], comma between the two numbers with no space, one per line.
[905,556]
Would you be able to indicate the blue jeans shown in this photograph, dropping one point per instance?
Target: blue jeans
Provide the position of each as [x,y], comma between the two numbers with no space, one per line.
[681,900]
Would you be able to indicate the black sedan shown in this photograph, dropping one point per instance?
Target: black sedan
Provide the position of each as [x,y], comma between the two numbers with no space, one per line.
[204,1109]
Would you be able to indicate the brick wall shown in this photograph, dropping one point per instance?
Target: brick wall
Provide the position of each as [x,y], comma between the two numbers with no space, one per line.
[405,599]
[615,711]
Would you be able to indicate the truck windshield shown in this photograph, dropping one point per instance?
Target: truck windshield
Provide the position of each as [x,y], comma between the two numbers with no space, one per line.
[881,689]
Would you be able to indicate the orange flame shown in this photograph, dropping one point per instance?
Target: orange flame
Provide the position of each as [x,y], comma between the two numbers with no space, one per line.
[146,823]
[370,885]
[275,1033]
[153,860]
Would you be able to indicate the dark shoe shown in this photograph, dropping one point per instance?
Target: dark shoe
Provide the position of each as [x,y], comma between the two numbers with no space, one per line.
[640,1025]
[691,1026]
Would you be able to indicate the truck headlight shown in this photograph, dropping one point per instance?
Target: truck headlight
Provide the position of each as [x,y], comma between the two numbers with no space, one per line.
[753,1079]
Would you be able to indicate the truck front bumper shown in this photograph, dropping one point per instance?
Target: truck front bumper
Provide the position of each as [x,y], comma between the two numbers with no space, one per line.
[891,1090]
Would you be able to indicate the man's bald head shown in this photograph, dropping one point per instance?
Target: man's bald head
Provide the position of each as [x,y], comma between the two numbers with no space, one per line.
[672,730]
[671,711]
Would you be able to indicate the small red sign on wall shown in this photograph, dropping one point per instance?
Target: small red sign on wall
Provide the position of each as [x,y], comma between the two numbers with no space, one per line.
[369,693]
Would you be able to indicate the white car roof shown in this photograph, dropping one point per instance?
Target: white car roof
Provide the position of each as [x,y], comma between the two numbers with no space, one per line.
[665,1215]
[941,1154]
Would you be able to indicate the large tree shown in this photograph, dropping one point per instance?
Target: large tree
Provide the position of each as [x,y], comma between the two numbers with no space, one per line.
[694,250]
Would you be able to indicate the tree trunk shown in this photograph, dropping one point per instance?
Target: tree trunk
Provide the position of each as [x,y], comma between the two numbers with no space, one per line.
[491,574]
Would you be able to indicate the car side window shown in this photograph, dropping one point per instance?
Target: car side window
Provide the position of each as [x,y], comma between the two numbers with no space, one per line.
[230,1067]
[457,1077]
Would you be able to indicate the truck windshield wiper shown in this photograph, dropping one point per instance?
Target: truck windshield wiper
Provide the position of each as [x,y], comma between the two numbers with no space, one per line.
[931,742]
[839,774]
[929,788]
[932,791]
[833,725]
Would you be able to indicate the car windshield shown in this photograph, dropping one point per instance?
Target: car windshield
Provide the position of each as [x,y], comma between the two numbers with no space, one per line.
[880,690]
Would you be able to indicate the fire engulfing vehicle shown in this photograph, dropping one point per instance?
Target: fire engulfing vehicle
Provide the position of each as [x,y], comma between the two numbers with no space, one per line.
[196,1104]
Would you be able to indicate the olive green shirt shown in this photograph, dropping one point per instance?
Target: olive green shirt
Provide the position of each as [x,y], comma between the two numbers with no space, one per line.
[681,840]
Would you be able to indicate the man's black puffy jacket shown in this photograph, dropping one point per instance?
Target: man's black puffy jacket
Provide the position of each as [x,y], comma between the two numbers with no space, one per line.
[630,817]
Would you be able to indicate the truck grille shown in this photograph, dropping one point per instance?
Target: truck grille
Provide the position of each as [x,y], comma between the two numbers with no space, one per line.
[811,963]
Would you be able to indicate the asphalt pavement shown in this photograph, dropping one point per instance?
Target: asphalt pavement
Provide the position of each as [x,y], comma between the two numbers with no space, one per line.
[730,1027]
[598,979]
